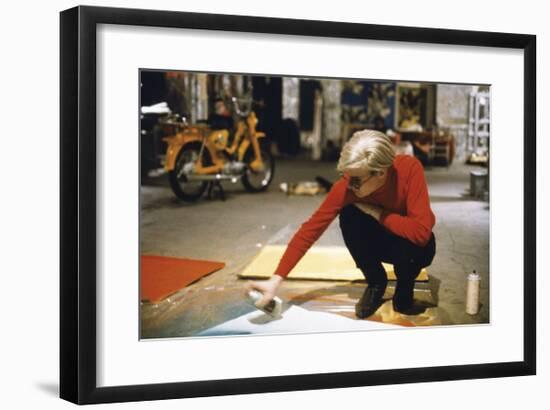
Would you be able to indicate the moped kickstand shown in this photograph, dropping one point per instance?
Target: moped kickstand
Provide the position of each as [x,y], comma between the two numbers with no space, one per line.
[214,186]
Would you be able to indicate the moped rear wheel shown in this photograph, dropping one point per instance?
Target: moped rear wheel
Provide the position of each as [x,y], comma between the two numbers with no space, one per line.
[258,181]
[184,188]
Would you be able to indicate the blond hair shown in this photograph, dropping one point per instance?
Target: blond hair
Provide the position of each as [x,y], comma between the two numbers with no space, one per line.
[367,150]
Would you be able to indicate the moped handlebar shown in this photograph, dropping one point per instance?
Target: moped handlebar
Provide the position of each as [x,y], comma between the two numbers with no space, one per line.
[248,103]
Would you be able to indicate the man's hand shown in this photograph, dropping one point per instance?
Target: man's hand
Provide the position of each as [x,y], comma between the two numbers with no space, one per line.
[268,289]
[372,210]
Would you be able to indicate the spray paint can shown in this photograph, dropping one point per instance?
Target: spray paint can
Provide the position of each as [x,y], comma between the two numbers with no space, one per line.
[273,308]
[472,293]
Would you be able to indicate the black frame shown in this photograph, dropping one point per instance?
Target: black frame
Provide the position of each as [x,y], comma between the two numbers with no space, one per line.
[78,203]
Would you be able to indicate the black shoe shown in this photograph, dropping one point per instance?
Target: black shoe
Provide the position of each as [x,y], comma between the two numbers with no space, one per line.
[371,300]
[411,309]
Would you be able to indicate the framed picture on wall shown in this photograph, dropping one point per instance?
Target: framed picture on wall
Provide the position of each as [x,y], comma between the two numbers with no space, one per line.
[192,174]
[415,106]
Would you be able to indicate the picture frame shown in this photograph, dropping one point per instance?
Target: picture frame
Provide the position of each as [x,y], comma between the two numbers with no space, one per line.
[78,196]
[423,112]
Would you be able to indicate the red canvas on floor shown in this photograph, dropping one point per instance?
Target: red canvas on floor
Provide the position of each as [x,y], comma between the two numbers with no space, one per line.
[161,276]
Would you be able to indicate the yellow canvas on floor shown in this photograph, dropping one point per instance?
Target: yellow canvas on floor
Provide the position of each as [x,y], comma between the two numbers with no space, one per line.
[319,263]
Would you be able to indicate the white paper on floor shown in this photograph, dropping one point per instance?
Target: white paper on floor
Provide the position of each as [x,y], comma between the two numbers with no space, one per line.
[293,320]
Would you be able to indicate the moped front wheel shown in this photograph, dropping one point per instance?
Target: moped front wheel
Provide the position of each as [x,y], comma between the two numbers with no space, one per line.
[183,187]
[259,180]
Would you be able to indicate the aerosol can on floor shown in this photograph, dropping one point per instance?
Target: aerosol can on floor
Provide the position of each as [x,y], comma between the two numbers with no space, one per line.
[472,293]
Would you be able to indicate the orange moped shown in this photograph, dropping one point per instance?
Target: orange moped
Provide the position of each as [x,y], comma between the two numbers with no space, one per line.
[198,155]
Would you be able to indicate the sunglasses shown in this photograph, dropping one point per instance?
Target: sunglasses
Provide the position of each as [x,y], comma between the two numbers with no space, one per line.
[357,182]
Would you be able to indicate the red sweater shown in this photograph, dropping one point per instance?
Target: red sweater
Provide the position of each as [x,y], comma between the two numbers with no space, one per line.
[403,198]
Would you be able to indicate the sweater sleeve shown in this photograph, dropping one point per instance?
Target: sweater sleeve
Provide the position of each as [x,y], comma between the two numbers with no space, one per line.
[313,228]
[417,224]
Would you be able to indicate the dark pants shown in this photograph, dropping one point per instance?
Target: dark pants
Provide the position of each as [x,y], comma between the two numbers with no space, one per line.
[370,244]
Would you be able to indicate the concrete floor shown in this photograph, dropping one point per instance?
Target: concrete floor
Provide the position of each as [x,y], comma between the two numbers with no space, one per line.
[234,230]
